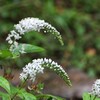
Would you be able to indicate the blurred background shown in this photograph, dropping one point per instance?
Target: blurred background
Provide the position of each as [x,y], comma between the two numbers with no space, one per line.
[78,21]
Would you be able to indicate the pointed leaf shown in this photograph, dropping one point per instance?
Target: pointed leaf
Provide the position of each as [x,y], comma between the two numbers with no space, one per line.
[5,54]
[4,96]
[27,48]
[5,84]
[87,96]
[27,96]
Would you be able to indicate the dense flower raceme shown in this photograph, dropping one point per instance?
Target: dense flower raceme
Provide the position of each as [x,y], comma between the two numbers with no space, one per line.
[37,66]
[27,25]
[96,88]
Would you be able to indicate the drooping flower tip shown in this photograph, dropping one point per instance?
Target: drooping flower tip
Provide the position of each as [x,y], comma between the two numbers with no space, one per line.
[96,88]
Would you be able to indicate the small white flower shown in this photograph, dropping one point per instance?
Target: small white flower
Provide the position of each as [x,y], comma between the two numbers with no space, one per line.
[31,70]
[10,41]
[96,88]
[15,35]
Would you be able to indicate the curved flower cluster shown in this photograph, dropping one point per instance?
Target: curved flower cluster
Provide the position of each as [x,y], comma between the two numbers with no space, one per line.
[27,25]
[96,88]
[38,65]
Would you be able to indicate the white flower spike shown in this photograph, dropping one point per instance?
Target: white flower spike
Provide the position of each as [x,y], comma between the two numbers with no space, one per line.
[96,88]
[37,66]
[30,24]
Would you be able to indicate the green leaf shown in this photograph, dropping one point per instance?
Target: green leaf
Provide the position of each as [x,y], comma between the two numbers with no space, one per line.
[48,97]
[87,96]
[32,48]
[14,90]
[40,86]
[21,93]
[5,84]
[27,48]
[4,96]
[5,54]
[27,96]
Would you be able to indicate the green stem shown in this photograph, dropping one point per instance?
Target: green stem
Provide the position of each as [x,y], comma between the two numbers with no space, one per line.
[90,96]
[19,89]
[94,97]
